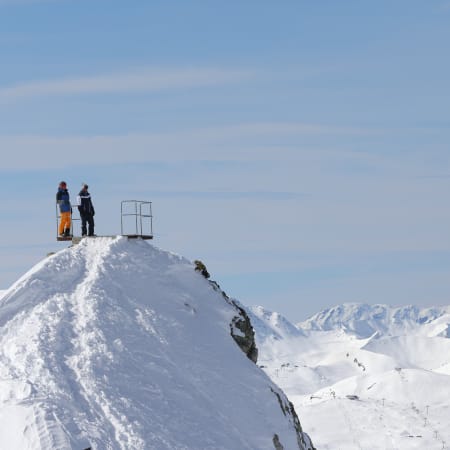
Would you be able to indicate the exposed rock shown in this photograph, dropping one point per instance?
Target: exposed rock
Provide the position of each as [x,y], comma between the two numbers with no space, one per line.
[200,267]
[242,332]
[289,411]
[241,328]
[277,443]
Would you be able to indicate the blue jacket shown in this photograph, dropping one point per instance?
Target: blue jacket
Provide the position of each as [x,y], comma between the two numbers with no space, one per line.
[63,200]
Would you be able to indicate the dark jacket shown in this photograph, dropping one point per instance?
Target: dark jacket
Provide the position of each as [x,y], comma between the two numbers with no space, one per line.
[63,200]
[85,205]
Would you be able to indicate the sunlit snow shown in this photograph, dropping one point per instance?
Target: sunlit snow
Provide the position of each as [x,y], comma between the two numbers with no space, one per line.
[116,344]
[364,377]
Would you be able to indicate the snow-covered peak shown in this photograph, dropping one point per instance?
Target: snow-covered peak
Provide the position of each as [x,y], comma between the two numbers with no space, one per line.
[116,344]
[268,324]
[365,320]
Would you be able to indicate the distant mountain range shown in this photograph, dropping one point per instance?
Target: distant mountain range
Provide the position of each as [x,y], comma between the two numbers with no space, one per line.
[363,376]
[358,319]
[364,320]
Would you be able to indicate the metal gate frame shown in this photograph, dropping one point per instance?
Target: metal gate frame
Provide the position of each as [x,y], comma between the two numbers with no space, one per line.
[140,215]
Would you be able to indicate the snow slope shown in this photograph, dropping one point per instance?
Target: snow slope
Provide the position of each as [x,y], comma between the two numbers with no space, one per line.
[396,361]
[115,344]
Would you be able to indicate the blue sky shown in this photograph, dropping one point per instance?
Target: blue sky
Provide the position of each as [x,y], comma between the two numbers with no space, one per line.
[300,149]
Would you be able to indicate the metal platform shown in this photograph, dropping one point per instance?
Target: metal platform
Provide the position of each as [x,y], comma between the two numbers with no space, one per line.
[136,222]
[138,236]
[64,238]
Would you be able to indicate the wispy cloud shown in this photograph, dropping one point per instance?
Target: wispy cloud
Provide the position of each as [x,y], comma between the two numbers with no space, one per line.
[441,176]
[135,81]
[27,2]
[225,143]
[228,195]
[282,128]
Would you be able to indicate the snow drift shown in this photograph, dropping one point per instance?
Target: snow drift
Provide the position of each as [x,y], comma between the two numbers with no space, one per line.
[114,344]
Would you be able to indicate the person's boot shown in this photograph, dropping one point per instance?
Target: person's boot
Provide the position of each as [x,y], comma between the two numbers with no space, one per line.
[67,232]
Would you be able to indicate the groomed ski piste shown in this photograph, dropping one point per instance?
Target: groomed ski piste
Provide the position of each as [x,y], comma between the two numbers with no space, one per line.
[116,344]
[365,377]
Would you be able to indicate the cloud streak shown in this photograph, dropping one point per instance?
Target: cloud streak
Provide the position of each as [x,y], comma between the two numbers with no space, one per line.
[27,2]
[228,195]
[142,80]
[228,143]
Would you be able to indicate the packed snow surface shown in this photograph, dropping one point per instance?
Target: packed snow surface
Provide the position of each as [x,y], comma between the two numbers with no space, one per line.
[364,376]
[116,344]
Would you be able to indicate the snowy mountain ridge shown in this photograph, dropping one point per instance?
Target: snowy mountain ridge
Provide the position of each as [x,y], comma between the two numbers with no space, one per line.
[271,324]
[364,320]
[114,344]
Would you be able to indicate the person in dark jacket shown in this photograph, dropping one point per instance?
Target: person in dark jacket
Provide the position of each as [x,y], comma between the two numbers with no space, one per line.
[65,209]
[87,211]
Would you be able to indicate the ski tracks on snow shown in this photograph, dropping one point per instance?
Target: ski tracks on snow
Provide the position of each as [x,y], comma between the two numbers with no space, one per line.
[91,353]
[30,369]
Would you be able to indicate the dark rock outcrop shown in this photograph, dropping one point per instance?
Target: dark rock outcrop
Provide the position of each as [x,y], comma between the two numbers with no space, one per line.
[289,411]
[243,333]
[276,442]
[200,267]
[241,328]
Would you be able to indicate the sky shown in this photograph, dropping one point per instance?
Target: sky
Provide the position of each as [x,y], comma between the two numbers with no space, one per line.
[300,149]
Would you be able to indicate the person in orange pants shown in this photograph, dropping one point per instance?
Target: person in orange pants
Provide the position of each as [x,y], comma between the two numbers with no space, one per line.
[65,209]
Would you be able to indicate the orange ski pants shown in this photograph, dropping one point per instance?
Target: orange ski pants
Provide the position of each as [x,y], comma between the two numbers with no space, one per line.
[65,222]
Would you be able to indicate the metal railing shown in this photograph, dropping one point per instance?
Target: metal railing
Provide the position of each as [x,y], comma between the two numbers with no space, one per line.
[141,224]
[72,220]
